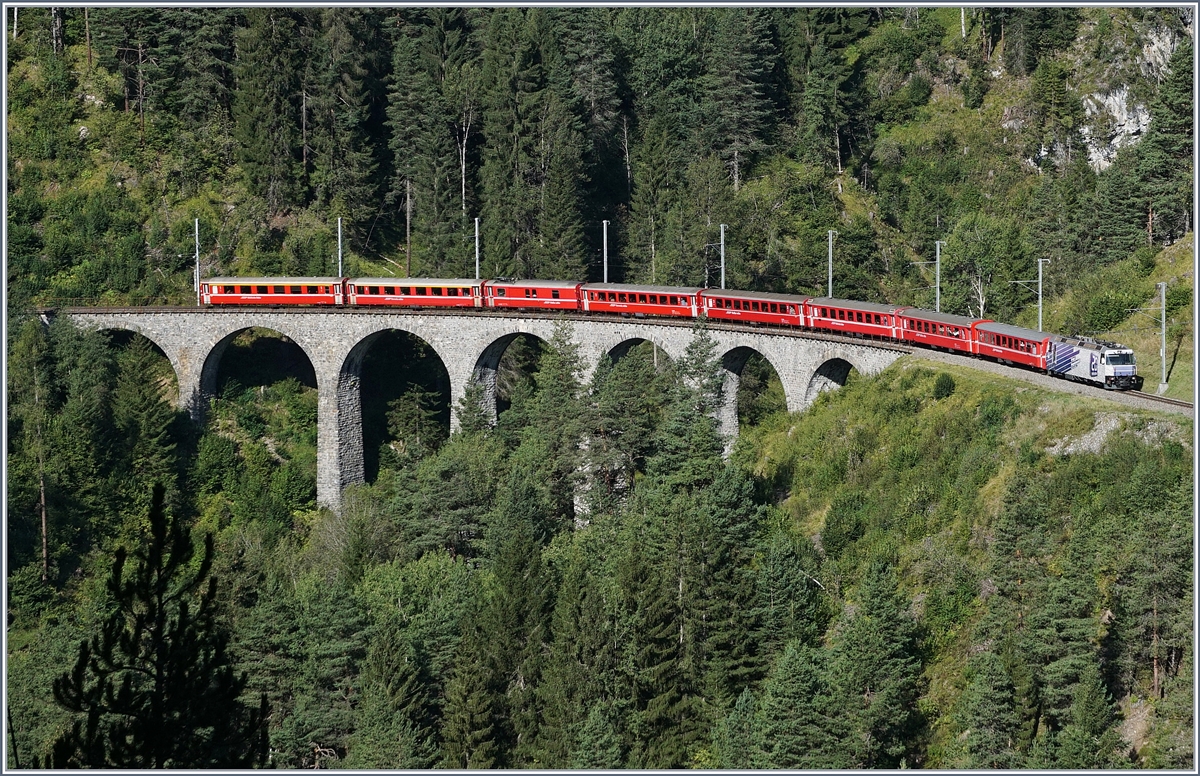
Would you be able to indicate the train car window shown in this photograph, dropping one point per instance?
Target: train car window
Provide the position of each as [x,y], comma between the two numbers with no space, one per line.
[421,291]
[436,291]
[791,309]
[620,298]
[774,307]
[554,293]
[310,289]
[389,290]
[277,289]
[642,298]
[841,314]
[405,290]
[293,289]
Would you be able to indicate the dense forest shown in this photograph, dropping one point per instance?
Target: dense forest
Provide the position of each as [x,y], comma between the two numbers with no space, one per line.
[928,568]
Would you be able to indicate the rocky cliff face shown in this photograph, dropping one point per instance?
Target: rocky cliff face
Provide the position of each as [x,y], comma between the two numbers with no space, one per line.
[1116,114]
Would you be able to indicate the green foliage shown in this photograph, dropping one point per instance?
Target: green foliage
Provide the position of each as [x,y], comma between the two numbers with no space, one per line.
[625,599]
[156,687]
[943,387]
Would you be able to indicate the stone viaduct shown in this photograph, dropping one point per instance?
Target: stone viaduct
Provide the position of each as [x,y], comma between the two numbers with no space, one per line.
[469,345]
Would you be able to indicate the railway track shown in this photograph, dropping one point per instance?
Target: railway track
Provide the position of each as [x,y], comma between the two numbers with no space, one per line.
[1161,399]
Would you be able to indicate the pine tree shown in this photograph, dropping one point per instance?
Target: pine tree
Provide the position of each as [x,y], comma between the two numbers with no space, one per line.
[875,671]
[1089,741]
[738,737]
[987,715]
[1165,156]
[266,108]
[396,715]
[688,446]
[598,746]
[156,686]
[513,96]
[558,419]
[803,726]
[739,67]
[625,397]
[143,422]
[469,721]
[516,621]
[415,424]
[791,602]
[720,615]
[346,113]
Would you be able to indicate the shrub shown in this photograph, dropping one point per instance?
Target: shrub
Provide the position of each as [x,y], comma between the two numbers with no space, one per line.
[943,387]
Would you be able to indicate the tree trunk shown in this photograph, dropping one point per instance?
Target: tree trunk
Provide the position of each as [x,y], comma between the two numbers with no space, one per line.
[625,148]
[408,226]
[56,30]
[87,36]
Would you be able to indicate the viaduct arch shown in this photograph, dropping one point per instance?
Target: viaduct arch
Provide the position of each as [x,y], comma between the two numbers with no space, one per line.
[470,347]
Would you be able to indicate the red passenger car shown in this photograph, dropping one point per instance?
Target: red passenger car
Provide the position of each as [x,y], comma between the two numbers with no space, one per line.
[413,292]
[272,291]
[640,300]
[553,294]
[740,306]
[1012,343]
[939,330]
[845,316]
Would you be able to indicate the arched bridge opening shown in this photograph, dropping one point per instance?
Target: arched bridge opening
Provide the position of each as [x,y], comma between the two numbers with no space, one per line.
[505,371]
[830,375]
[405,391]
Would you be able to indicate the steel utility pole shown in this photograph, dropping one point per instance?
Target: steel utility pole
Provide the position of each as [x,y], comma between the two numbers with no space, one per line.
[1040,262]
[197,262]
[339,246]
[477,249]
[1162,349]
[722,257]
[1028,283]
[937,275]
[832,232]
[605,250]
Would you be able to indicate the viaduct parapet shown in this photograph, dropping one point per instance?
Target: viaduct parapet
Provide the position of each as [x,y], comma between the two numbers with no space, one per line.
[470,347]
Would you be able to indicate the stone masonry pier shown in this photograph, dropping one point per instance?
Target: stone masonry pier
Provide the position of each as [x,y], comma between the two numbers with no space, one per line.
[470,345]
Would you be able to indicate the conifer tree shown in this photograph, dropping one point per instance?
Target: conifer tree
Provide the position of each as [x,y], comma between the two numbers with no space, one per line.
[142,420]
[875,671]
[688,446]
[987,716]
[598,746]
[516,621]
[804,723]
[791,603]
[558,419]
[156,688]
[396,714]
[738,736]
[1089,741]
[469,721]
[266,112]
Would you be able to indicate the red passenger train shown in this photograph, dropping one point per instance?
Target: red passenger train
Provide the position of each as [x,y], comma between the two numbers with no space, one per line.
[1075,358]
